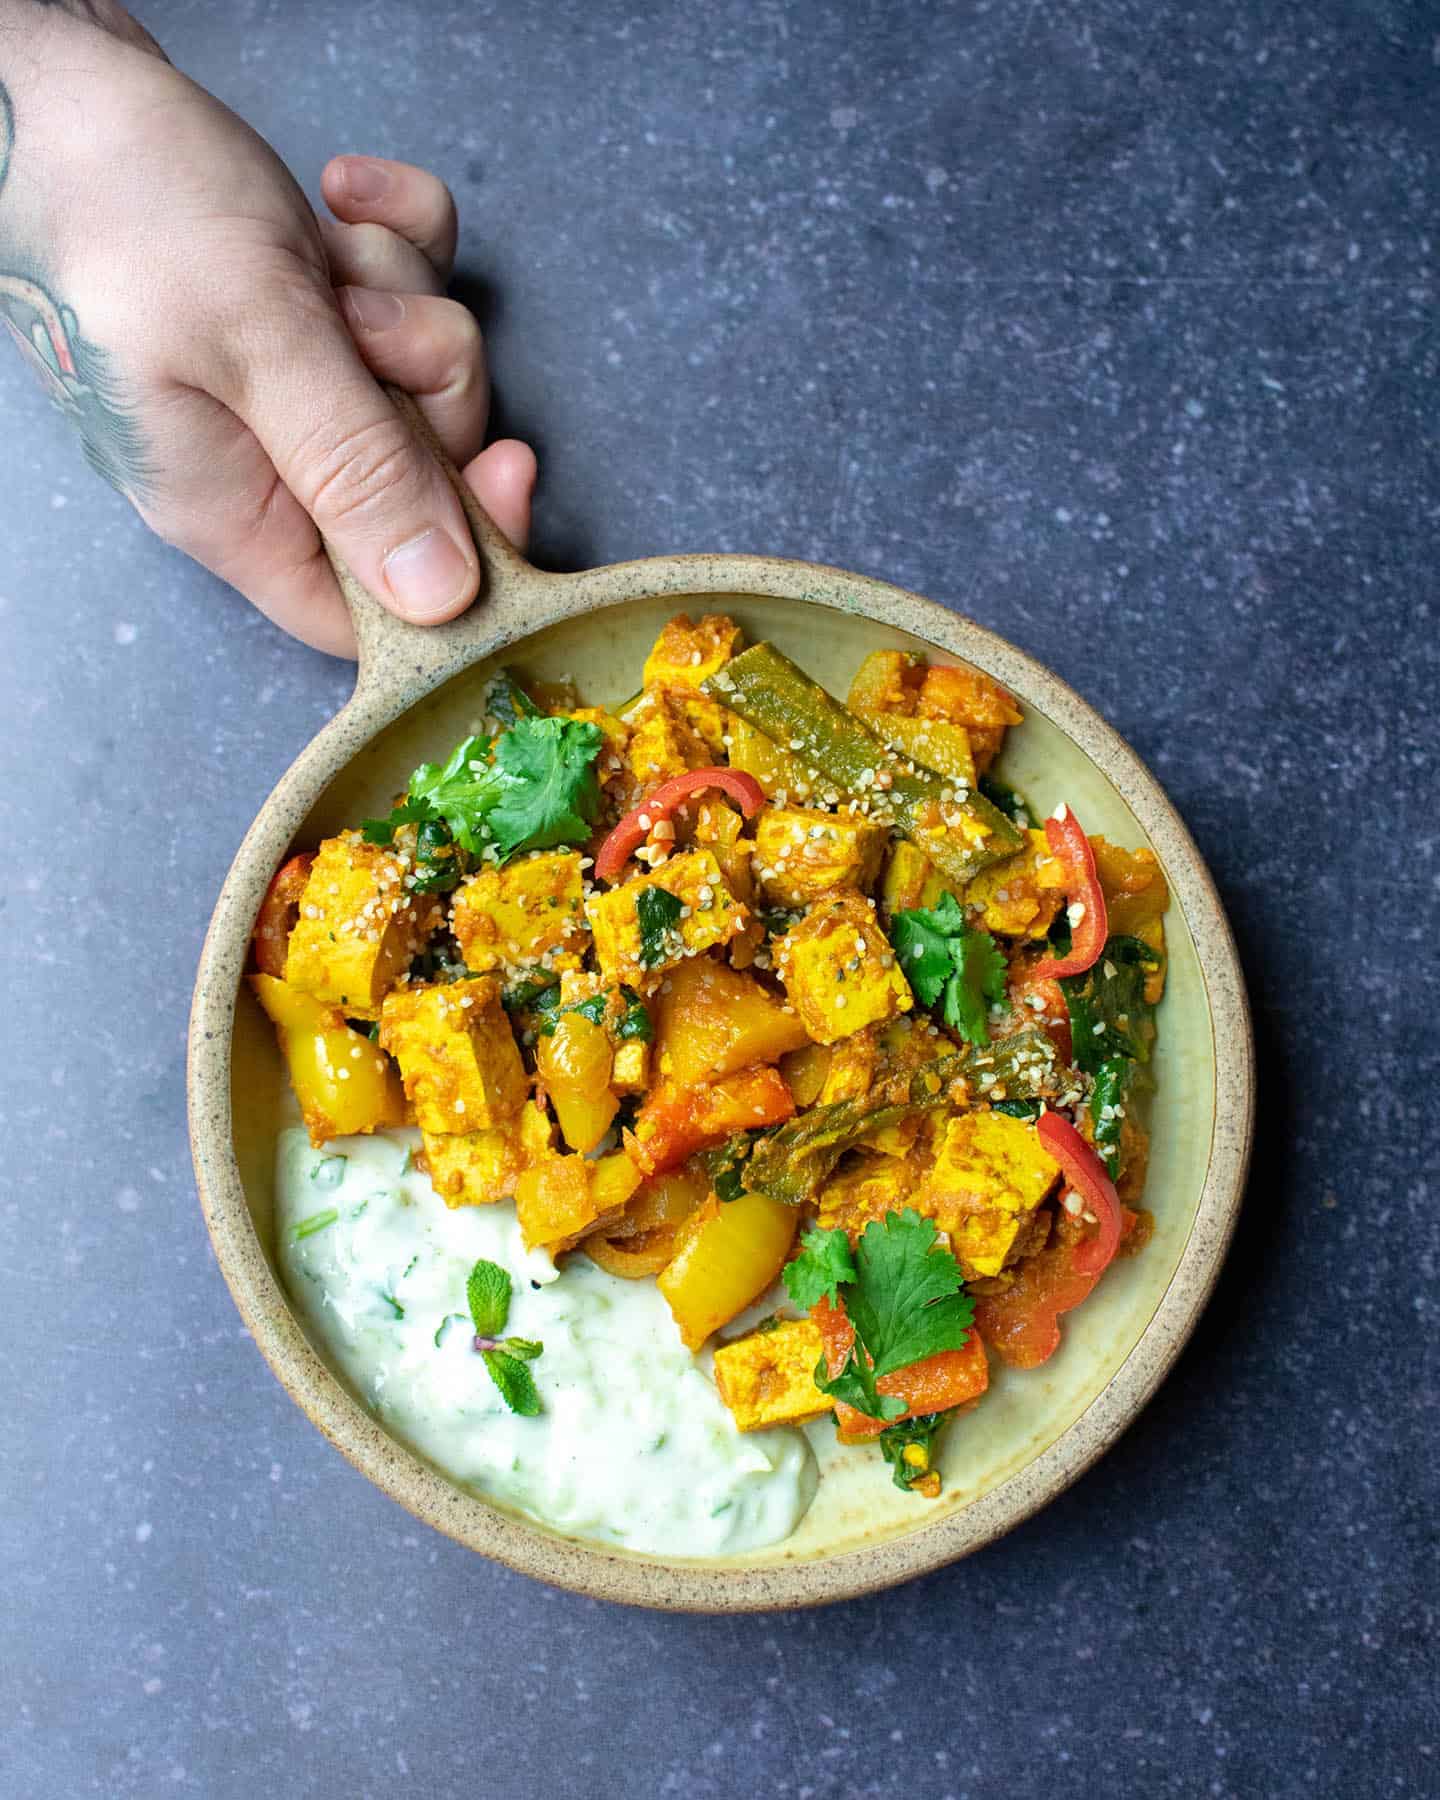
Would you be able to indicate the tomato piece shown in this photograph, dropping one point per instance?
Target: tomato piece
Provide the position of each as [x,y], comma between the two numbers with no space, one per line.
[1084,893]
[934,1384]
[278,912]
[630,833]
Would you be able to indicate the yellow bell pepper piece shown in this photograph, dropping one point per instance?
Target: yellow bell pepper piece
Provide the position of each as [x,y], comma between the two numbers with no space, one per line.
[344,1084]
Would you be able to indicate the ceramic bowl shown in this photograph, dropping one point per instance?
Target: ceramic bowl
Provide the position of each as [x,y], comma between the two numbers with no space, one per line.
[1036,1431]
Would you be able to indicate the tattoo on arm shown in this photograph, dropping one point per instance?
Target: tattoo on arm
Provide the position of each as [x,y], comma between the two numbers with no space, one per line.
[76,374]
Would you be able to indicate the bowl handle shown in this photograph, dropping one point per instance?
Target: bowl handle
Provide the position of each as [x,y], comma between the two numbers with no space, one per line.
[387,642]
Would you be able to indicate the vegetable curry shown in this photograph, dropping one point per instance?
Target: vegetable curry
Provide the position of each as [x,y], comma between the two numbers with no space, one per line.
[751,993]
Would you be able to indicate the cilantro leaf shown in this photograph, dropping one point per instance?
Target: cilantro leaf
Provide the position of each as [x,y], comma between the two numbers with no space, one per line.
[487,1293]
[921,939]
[657,912]
[549,792]
[511,1374]
[905,1300]
[451,791]
[534,788]
[908,1300]
[979,978]
[824,1263]
[944,958]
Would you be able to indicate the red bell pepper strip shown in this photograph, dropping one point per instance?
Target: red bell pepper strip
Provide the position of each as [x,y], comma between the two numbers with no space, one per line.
[278,912]
[1089,925]
[631,832]
[1088,1176]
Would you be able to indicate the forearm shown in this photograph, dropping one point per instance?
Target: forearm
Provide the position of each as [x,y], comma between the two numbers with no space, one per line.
[48,52]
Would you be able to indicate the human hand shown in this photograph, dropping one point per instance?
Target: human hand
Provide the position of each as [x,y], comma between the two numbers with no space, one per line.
[221,349]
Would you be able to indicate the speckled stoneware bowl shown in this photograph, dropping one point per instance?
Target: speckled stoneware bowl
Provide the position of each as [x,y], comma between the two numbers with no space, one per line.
[1036,1432]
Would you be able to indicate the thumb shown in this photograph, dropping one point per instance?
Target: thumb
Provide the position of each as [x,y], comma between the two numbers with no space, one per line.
[375,492]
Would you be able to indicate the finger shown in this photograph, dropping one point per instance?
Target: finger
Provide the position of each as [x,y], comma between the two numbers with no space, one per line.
[410,201]
[229,509]
[431,348]
[344,452]
[502,479]
[372,256]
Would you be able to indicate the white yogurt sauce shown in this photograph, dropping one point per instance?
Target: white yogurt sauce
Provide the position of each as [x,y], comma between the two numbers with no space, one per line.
[633,1447]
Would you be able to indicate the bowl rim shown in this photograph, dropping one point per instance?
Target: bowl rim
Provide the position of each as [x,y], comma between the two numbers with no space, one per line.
[531,602]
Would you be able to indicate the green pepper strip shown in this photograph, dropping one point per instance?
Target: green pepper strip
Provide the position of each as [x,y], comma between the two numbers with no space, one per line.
[768,691]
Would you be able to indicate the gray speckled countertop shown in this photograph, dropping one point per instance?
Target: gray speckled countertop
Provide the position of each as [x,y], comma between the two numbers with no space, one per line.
[1112,324]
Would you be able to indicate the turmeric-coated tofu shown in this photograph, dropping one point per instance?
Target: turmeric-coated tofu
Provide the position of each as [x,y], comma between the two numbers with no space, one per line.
[768,1378]
[635,941]
[476,1168]
[838,968]
[518,917]
[685,655]
[457,1055]
[1020,896]
[359,927]
[989,1175]
[801,853]
[867,1189]
[663,742]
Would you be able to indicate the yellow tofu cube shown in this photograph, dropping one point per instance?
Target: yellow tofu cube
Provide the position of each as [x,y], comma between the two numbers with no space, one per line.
[710,915]
[663,742]
[801,853]
[871,1187]
[521,915]
[457,1055]
[989,1175]
[686,654]
[1020,896]
[909,879]
[768,1378]
[839,970]
[476,1168]
[359,926]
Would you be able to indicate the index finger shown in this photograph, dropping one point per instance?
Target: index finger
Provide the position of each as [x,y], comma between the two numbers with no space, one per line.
[407,200]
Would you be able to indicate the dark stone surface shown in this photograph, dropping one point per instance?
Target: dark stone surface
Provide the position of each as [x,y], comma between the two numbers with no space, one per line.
[1111,324]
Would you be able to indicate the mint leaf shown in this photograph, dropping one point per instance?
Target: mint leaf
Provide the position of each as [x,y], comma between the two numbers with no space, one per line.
[527,1349]
[657,912]
[824,1263]
[487,1293]
[948,960]
[516,1384]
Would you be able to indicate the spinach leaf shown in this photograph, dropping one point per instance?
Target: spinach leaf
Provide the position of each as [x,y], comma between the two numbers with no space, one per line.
[1109,1015]
[657,912]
